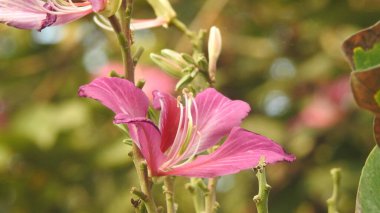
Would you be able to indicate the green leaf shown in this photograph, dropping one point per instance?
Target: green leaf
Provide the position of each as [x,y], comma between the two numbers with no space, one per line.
[364,59]
[377,97]
[369,186]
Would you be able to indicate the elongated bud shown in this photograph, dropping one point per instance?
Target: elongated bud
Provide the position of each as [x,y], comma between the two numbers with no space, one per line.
[163,8]
[111,7]
[214,49]
[174,56]
[168,65]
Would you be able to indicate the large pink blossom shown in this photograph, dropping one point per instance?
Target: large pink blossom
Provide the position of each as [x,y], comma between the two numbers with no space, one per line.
[187,129]
[38,14]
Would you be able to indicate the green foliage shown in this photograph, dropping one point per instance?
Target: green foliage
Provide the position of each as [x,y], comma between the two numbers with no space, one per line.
[365,59]
[368,194]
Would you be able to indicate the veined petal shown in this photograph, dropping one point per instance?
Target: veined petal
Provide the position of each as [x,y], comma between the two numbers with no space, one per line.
[66,18]
[38,14]
[169,117]
[119,95]
[147,137]
[27,14]
[242,150]
[217,115]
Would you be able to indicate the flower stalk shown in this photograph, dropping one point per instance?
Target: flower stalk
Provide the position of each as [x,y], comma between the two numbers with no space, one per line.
[168,189]
[196,194]
[195,38]
[210,196]
[332,202]
[145,181]
[261,199]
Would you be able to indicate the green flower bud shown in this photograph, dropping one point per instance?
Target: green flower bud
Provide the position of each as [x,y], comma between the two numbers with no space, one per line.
[163,8]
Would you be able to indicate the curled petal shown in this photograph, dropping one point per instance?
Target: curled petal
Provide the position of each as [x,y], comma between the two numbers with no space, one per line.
[119,95]
[242,150]
[147,137]
[169,117]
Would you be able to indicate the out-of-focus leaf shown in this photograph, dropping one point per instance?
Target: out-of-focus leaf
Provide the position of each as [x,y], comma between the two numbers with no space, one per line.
[368,194]
[366,39]
[365,85]
[43,122]
[363,52]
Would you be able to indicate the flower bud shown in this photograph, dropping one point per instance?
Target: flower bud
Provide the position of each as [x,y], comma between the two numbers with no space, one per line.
[214,49]
[171,54]
[170,66]
[163,8]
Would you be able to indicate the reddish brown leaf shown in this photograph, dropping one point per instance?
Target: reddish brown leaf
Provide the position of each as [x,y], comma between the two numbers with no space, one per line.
[365,39]
[364,86]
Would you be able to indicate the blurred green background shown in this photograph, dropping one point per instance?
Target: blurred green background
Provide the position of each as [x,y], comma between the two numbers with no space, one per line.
[61,153]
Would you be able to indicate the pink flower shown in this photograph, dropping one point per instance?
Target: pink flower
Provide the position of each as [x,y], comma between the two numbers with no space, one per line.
[186,130]
[38,14]
[328,105]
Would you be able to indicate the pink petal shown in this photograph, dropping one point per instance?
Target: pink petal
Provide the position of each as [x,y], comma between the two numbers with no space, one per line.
[139,24]
[242,150]
[32,14]
[23,14]
[217,116]
[119,95]
[98,5]
[169,117]
[147,137]
[66,18]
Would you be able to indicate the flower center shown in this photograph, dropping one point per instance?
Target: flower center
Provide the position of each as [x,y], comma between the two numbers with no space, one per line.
[187,140]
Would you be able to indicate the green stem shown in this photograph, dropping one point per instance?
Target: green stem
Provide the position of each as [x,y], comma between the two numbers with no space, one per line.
[210,197]
[128,35]
[122,41]
[332,202]
[261,199]
[168,189]
[145,182]
[196,39]
[196,194]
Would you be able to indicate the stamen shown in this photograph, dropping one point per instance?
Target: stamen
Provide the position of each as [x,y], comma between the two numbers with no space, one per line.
[192,156]
[185,138]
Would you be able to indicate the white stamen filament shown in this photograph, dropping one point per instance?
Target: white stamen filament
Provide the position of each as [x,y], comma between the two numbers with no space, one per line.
[187,136]
[100,21]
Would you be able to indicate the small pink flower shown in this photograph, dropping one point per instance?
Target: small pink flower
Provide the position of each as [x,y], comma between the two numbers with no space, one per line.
[38,14]
[177,146]
[327,106]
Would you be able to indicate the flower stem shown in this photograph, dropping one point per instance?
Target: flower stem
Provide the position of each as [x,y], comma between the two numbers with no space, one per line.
[145,182]
[122,41]
[210,197]
[168,189]
[332,202]
[196,39]
[196,194]
[261,199]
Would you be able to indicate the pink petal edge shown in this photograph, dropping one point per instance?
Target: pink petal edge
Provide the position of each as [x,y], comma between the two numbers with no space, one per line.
[242,150]
[119,95]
